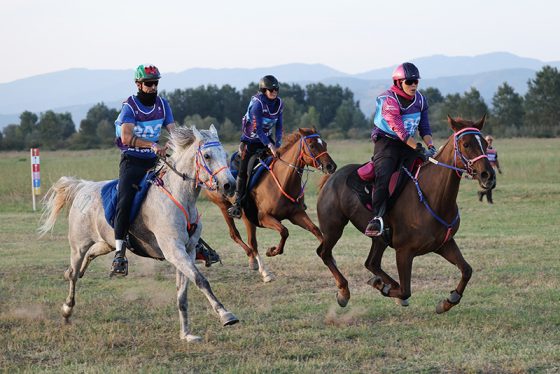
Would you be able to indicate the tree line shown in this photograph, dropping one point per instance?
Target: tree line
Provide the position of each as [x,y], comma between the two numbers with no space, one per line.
[329,108]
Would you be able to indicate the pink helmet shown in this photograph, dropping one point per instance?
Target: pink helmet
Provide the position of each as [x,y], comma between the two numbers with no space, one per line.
[406,71]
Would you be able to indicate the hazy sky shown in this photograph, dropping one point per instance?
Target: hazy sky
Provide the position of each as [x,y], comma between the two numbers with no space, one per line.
[42,36]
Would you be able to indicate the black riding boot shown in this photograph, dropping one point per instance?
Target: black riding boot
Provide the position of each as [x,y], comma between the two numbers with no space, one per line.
[120,263]
[235,210]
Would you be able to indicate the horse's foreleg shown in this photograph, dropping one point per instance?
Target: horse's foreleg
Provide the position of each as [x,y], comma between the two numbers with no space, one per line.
[185,264]
[270,222]
[76,258]
[451,252]
[182,304]
[302,220]
[96,250]
[331,235]
[404,266]
[255,261]
[382,281]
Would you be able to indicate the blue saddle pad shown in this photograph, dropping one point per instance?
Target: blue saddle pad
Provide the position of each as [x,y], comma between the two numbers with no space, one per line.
[109,198]
[258,170]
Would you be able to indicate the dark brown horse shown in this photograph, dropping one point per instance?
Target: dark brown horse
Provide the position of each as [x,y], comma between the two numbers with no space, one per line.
[416,227]
[278,195]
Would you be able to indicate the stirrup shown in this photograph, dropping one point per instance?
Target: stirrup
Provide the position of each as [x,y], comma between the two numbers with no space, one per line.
[234,211]
[119,267]
[205,253]
[373,232]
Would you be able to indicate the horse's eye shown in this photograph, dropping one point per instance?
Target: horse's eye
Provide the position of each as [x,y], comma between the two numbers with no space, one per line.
[466,145]
[207,156]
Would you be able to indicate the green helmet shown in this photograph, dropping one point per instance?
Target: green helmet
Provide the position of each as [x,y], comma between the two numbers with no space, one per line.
[146,72]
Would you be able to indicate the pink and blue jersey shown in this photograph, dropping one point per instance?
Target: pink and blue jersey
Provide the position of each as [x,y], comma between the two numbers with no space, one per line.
[147,121]
[393,120]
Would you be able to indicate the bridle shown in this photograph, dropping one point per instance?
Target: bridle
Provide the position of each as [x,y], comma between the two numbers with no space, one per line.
[299,169]
[201,167]
[458,155]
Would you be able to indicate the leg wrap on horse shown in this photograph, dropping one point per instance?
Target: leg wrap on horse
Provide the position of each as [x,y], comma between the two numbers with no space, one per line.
[454,298]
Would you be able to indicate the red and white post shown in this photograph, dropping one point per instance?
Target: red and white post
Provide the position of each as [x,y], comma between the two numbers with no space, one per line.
[35,174]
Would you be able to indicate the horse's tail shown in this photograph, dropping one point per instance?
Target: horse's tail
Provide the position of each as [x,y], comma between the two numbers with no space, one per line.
[323,181]
[62,193]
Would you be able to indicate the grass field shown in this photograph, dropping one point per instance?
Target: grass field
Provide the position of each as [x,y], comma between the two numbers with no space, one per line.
[508,320]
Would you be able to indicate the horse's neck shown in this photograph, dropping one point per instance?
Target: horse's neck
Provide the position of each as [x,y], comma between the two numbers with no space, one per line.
[286,171]
[440,184]
[184,191]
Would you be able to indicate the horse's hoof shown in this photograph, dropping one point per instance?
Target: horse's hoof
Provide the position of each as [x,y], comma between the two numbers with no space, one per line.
[192,338]
[269,277]
[228,319]
[441,307]
[401,302]
[66,312]
[341,300]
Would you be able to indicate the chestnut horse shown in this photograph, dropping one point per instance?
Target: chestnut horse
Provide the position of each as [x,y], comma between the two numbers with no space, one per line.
[423,219]
[278,195]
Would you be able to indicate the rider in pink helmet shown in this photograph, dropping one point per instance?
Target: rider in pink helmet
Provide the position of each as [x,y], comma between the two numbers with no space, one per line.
[400,113]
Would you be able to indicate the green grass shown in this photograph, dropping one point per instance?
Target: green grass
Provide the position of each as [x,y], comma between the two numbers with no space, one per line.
[508,320]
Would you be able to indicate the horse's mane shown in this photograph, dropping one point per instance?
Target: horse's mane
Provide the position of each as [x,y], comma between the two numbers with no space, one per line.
[289,140]
[183,137]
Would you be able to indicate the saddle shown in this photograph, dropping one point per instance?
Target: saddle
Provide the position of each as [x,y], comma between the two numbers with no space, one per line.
[109,195]
[362,181]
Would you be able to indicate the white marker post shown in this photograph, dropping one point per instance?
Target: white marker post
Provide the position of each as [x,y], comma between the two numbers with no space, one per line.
[35,174]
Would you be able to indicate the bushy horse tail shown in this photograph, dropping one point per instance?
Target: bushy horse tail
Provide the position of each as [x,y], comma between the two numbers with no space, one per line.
[323,181]
[62,193]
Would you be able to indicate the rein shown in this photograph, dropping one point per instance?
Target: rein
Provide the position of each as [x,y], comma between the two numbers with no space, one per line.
[299,170]
[459,171]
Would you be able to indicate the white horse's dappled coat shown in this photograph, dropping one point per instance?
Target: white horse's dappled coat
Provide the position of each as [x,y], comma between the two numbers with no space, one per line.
[160,226]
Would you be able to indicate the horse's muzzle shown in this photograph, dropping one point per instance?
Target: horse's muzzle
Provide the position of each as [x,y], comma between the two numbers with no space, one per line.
[329,168]
[487,180]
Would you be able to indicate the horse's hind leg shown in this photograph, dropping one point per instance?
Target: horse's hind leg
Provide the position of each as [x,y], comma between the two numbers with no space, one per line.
[96,250]
[76,258]
[332,231]
[266,274]
[451,252]
[182,304]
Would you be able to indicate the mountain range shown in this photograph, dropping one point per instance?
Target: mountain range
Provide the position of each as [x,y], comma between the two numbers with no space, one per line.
[77,90]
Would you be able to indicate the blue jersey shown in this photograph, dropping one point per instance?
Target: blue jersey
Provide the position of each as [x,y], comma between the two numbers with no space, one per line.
[147,121]
[263,115]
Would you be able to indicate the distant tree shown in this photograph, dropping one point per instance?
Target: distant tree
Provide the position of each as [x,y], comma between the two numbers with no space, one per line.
[106,133]
[310,119]
[88,133]
[13,138]
[432,95]
[28,122]
[507,112]
[472,105]
[349,116]
[326,100]
[542,104]
[55,128]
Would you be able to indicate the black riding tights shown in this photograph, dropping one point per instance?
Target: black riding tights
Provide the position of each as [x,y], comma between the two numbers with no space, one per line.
[131,172]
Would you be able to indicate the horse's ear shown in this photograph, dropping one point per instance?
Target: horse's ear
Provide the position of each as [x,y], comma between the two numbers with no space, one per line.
[301,131]
[314,129]
[454,125]
[213,130]
[480,123]
[196,133]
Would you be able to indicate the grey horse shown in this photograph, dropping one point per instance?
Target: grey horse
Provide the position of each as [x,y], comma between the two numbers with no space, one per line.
[162,226]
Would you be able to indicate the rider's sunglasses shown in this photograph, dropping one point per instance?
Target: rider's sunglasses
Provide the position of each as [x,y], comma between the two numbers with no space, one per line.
[273,89]
[410,82]
[151,83]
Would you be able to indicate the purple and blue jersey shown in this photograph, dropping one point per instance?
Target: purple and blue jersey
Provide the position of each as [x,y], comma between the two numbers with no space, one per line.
[262,116]
[147,121]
